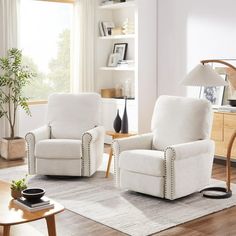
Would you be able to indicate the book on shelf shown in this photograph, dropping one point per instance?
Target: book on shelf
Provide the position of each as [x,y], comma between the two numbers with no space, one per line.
[105,28]
[23,203]
[126,62]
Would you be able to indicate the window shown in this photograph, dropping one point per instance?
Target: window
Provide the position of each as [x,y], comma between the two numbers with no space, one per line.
[45,41]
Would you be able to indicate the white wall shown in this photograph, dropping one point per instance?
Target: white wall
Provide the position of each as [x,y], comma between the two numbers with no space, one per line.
[188,31]
[171,41]
[28,123]
[147,62]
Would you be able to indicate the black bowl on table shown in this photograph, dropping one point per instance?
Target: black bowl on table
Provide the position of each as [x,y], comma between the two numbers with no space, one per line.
[33,194]
[232,102]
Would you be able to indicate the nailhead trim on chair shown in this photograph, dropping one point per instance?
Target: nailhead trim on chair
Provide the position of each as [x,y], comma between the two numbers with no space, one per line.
[30,138]
[86,165]
[171,173]
[116,162]
[165,167]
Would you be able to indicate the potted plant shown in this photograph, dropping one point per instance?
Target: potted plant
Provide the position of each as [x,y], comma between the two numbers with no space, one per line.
[17,186]
[13,77]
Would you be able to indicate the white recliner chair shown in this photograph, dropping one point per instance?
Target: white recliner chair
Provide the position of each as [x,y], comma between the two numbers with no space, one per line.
[72,142]
[174,160]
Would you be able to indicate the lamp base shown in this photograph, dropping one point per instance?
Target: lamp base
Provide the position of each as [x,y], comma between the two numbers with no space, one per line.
[223,193]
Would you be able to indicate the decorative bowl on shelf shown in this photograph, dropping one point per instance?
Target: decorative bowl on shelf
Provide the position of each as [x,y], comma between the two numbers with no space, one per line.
[232,102]
[33,194]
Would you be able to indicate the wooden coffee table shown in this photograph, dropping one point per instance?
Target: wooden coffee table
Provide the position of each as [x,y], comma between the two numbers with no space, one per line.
[12,214]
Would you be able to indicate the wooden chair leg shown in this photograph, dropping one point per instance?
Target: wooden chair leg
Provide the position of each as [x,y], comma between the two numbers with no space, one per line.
[51,225]
[109,163]
[6,230]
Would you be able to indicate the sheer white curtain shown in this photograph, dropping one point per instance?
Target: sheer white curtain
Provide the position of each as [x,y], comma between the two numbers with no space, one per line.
[83,38]
[9,20]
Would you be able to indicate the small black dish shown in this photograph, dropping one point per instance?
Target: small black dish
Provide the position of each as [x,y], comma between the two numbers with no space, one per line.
[33,194]
[232,102]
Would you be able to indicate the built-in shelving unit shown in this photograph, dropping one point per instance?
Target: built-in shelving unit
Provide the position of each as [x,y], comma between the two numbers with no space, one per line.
[123,36]
[119,76]
[112,77]
[115,6]
[141,56]
[123,68]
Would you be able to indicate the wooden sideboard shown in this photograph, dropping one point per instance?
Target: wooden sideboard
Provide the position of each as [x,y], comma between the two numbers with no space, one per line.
[224,124]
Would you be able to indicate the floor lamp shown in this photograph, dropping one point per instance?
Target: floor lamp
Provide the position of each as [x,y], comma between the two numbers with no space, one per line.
[204,75]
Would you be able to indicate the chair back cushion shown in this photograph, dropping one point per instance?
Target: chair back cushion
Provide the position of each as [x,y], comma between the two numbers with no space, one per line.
[179,120]
[70,115]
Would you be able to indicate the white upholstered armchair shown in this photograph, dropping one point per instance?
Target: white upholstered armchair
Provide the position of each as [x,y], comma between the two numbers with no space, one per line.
[175,159]
[71,143]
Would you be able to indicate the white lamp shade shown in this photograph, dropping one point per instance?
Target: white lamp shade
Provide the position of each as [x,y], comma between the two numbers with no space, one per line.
[203,75]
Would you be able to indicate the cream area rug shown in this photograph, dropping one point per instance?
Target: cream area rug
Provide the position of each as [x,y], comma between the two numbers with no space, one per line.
[132,213]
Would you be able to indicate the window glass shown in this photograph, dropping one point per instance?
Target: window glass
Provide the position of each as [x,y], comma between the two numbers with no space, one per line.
[45,42]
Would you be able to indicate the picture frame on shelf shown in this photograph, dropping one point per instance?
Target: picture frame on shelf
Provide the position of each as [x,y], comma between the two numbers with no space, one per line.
[230,90]
[230,77]
[107,27]
[113,60]
[213,94]
[121,49]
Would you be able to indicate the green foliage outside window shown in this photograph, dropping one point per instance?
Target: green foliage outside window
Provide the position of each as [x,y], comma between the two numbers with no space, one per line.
[58,78]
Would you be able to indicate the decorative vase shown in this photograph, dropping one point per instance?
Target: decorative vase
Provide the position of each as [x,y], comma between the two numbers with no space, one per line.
[124,123]
[16,194]
[117,122]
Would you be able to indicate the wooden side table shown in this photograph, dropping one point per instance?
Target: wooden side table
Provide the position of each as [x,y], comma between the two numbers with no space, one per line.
[115,135]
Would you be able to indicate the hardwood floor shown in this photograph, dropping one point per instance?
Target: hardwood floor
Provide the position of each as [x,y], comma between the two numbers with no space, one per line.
[222,223]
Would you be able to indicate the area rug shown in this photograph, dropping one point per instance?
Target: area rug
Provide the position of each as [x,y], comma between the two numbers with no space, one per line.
[132,213]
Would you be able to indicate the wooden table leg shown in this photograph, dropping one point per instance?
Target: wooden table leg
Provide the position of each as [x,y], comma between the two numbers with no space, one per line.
[109,163]
[51,225]
[6,230]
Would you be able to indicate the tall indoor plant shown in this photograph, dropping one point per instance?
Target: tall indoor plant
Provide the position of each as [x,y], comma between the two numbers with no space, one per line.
[13,77]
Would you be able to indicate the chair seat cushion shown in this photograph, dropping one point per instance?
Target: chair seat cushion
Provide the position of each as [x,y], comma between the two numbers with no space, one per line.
[149,162]
[58,148]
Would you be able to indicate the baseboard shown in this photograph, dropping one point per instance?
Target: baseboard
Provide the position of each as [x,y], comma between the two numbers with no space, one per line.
[222,161]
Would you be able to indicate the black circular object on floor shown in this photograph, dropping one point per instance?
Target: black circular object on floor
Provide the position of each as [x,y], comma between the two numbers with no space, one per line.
[223,193]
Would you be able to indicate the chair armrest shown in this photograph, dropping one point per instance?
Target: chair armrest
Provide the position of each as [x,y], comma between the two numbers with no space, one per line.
[94,134]
[92,150]
[143,141]
[32,138]
[39,134]
[187,150]
[188,167]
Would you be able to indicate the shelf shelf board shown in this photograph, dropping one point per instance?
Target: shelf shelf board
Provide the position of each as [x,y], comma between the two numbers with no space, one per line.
[118,100]
[123,36]
[121,5]
[119,68]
